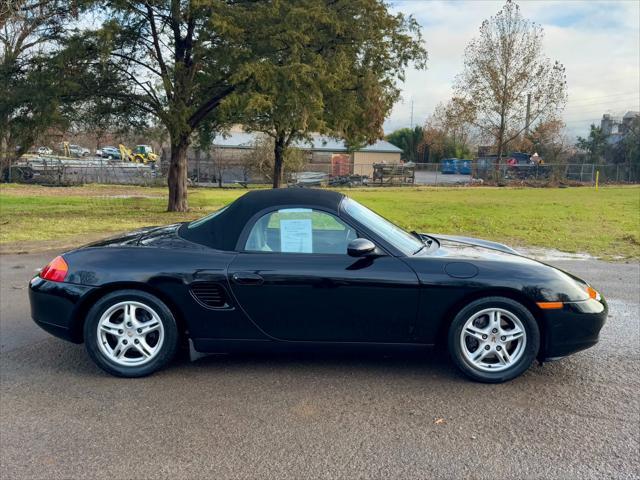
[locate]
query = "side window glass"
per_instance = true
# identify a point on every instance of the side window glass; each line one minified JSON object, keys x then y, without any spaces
{"x":300,"y":230}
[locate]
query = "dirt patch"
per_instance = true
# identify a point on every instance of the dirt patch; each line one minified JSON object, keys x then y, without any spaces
{"x":630,"y":239}
{"x":130,"y":196}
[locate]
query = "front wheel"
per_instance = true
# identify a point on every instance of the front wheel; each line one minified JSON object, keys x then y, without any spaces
{"x":130,"y":333}
{"x":494,"y":339}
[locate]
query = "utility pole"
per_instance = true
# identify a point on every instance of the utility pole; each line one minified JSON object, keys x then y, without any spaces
{"x":411,"y":113}
{"x":526,"y":125}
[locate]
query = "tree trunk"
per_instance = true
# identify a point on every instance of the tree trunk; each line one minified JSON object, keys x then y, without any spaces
{"x":501,"y":137}
{"x":278,"y":161}
{"x":177,"y":177}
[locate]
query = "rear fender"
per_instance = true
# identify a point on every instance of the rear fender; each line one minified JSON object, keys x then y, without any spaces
{"x":85,"y":304}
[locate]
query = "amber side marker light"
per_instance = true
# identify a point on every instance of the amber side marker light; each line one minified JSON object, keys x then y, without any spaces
{"x":55,"y":271}
{"x":550,"y":305}
{"x":593,"y":293}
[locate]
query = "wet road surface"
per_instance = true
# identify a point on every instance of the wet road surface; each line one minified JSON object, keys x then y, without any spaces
{"x":295,"y":416}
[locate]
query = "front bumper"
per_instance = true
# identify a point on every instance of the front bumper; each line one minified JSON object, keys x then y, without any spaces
{"x":573,"y":328}
{"x":55,"y":307}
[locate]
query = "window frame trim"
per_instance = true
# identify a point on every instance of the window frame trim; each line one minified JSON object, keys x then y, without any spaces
{"x":246,"y":231}
{"x":380,"y":242}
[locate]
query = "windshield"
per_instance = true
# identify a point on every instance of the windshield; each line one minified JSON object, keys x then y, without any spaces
{"x":200,"y":221}
{"x":403,"y":241}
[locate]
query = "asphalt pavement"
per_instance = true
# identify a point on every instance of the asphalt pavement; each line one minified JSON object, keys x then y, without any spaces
{"x":427,"y":177}
{"x":306,"y":416}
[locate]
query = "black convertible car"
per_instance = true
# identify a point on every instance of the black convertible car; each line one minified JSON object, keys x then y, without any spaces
{"x":301,"y":268}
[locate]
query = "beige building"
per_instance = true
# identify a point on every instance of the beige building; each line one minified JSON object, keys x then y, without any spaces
{"x":363,"y":160}
{"x":324,"y":154}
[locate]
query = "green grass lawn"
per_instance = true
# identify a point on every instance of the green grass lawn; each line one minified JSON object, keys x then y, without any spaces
{"x":604,"y":223}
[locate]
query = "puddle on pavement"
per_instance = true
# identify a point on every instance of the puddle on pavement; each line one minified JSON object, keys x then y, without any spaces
{"x":550,"y":255}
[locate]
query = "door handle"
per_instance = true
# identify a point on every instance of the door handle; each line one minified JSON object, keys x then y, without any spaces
{"x":247,"y":278}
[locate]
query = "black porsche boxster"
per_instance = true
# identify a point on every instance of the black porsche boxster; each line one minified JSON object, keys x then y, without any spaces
{"x":300,"y":268}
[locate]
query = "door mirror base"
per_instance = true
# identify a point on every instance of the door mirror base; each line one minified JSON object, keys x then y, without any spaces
{"x":360,"y":247}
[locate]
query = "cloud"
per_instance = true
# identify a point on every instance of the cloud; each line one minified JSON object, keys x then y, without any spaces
{"x":598,"y":42}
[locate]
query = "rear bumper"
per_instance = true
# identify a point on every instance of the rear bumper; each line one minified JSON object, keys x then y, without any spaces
{"x":54,"y":307}
{"x":573,"y":328}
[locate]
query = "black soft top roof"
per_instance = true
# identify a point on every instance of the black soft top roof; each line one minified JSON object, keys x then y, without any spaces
{"x":222,"y":231}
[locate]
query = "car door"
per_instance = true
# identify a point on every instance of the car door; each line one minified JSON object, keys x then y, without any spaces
{"x":294,"y":279}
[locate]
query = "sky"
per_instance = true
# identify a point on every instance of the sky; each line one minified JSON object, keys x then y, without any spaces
{"x":598,"y":42}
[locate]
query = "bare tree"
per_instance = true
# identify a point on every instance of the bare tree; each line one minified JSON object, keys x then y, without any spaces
{"x":261,"y":159}
{"x":449,"y":131}
{"x":508,"y":84}
{"x":548,"y":139}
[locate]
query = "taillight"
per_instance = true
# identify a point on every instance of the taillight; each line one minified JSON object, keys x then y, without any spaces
{"x":55,"y":271}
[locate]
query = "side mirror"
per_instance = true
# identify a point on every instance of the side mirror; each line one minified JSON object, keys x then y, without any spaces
{"x":360,"y":247}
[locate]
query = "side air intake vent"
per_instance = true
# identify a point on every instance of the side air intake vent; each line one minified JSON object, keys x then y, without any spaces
{"x":209,"y":294}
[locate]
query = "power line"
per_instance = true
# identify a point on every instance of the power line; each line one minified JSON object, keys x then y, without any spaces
{"x":609,"y":102}
{"x":590,"y":120}
{"x":601,"y":110}
{"x":582,"y":120}
{"x":611,"y":95}
{"x":604,"y":106}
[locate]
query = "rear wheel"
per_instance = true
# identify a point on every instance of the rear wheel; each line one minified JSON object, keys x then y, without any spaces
{"x":130,"y":333}
{"x":494,"y":339}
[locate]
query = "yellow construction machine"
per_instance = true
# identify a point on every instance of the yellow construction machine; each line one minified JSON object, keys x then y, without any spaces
{"x":140,"y":154}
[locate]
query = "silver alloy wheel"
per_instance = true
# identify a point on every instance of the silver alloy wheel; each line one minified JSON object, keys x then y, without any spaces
{"x":130,"y":333}
{"x":493,"y":340}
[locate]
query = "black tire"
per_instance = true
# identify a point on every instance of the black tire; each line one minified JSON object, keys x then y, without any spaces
{"x":520,"y":366}
{"x":167,"y":349}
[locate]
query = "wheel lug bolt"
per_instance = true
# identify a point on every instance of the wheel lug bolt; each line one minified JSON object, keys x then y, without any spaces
{"x":495,"y":330}
{"x":484,"y":337}
{"x":139,"y":330}
{"x":503,"y":338}
{"x":128,"y":324}
{"x":498,"y":348}
{"x":487,"y":347}
{"x":136,"y":341}
{"x":120,"y":332}
{"x":124,"y":342}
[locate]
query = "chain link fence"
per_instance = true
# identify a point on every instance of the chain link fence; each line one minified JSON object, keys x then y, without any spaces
{"x":466,"y":173}
{"x":65,"y":171}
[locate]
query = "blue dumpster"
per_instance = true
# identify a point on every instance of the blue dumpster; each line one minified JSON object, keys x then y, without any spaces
{"x":464,"y":167}
{"x":449,"y":166}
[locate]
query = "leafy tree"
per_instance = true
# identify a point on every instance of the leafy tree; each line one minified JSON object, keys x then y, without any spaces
{"x":180,"y":61}
{"x":503,"y":68}
{"x":595,"y":144}
{"x":411,"y":141}
{"x":323,"y":66}
{"x":171,"y":62}
{"x":628,"y":149}
{"x":103,"y":117}
{"x":29,"y":85}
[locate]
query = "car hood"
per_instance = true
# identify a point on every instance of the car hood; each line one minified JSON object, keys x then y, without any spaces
{"x":476,"y":242}
{"x":484,"y":253}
